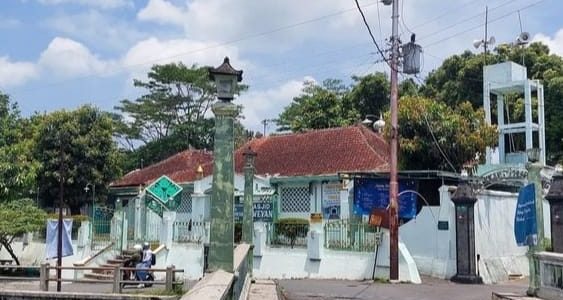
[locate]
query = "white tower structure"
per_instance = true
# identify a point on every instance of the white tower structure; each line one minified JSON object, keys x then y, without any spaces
{"x":506,"y":79}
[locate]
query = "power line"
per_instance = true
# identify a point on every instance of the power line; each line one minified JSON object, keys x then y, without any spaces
{"x":180,"y":54}
{"x":465,"y":20}
{"x":479,"y":26}
{"x":371,"y":34}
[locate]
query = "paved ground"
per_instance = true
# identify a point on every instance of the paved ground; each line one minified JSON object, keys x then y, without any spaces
{"x":431,"y":288}
{"x":263,"y":290}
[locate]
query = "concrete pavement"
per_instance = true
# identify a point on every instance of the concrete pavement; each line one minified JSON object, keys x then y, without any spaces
{"x":430,"y":289}
{"x":263,"y":290}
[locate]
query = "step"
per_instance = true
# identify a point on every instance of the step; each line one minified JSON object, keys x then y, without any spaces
{"x":511,"y":296}
{"x":116,"y":261}
{"x":97,"y":276}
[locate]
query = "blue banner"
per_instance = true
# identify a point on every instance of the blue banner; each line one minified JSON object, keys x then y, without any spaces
{"x":525,"y":223}
{"x":370,"y":193}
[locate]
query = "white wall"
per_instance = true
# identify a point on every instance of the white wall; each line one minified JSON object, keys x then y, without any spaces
{"x":187,"y":256}
{"x":287,"y":263}
{"x":434,"y":250}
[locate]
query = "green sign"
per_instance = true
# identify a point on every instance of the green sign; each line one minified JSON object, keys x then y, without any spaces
{"x":164,"y":190}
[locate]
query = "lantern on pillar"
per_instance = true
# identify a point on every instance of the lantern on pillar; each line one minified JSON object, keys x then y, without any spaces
{"x":226,"y":78}
{"x":464,"y":200}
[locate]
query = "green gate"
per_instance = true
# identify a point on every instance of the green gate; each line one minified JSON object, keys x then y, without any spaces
{"x":101,"y":227}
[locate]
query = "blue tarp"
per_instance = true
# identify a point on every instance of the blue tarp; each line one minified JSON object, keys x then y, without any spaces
{"x":370,"y":193}
{"x":51,"y":239}
{"x":525,"y":223}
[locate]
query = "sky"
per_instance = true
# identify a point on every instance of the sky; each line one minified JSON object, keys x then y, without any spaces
{"x":58,"y":54}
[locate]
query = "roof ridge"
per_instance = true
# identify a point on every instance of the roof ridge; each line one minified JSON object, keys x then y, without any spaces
{"x":370,"y":146}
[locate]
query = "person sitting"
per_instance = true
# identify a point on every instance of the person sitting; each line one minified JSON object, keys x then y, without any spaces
{"x":145,"y":263}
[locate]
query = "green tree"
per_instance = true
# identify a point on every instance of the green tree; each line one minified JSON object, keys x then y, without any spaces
{"x":18,"y":169}
{"x":170,"y":117}
{"x":82,"y":141}
{"x":17,"y":218}
{"x":319,"y":106}
{"x":432,"y":131}
{"x":460,"y":78}
{"x":370,"y":93}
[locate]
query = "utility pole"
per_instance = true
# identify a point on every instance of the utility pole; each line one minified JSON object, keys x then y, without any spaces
{"x":393,"y":184}
{"x":60,"y":221}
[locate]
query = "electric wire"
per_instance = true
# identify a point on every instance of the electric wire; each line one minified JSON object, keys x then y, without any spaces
{"x":371,"y":34}
{"x":432,"y":131}
{"x":480,"y":25}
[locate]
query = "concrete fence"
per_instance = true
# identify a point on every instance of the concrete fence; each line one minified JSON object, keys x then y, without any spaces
{"x":551,"y":275}
{"x":222,"y":285}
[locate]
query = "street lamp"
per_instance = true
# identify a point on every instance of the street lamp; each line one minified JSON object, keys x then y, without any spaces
{"x":226,"y":78}
{"x":86,"y":189}
{"x":222,"y":227}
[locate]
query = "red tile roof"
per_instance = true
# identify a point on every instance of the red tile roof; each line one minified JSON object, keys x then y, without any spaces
{"x":180,"y":167}
{"x":317,"y":152}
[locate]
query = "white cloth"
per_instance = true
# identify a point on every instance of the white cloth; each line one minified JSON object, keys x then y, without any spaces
{"x":52,"y":238}
{"x":147,"y":256}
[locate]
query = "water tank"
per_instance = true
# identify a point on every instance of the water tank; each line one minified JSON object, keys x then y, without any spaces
{"x":411,"y":58}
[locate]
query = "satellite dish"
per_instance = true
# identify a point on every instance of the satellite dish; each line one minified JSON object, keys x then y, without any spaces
{"x":523,"y":38}
{"x":477,"y":43}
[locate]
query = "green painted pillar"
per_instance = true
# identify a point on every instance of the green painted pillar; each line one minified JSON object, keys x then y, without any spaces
{"x":222,"y":221}
{"x":247,"y":219}
{"x":534,"y":177}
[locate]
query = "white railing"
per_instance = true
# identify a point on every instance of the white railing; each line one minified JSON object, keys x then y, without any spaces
{"x":191,"y":232}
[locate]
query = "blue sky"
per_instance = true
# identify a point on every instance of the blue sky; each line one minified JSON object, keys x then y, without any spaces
{"x":63,"y":53}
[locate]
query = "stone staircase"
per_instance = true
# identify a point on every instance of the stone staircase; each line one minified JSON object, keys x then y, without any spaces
{"x":99,"y":274}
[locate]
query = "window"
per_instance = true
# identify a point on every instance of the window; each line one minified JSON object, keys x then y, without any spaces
{"x":295,"y":199}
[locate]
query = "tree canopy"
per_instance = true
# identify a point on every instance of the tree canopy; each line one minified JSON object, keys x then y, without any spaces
{"x":460,"y":79}
{"x":319,"y":106}
{"x":18,"y":169}
{"x":82,"y":141}
{"x":172,"y":115}
{"x":16,"y":218}
{"x":437,"y":136}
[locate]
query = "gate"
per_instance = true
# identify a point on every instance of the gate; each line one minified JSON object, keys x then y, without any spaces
{"x":101,"y":227}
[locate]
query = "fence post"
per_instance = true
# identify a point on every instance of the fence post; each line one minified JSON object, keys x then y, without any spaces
{"x":169,"y":281}
{"x":44,"y":277}
{"x":117,"y":280}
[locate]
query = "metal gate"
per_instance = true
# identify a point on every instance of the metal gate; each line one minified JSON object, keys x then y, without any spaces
{"x":101,"y":227}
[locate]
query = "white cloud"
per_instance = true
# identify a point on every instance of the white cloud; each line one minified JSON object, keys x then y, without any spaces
{"x":226,"y":20}
{"x":155,"y":51}
{"x":15,"y":73}
{"x":67,"y":58}
{"x":554,"y":43}
{"x":267,"y":104}
{"x":103,"y":4}
{"x":96,"y":28}
{"x":162,"y":12}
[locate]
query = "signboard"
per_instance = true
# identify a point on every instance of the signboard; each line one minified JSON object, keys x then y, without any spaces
{"x":525,"y":223}
{"x":164,"y":189}
{"x":372,"y":193}
{"x":262,"y":211}
{"x":331,"y":201}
